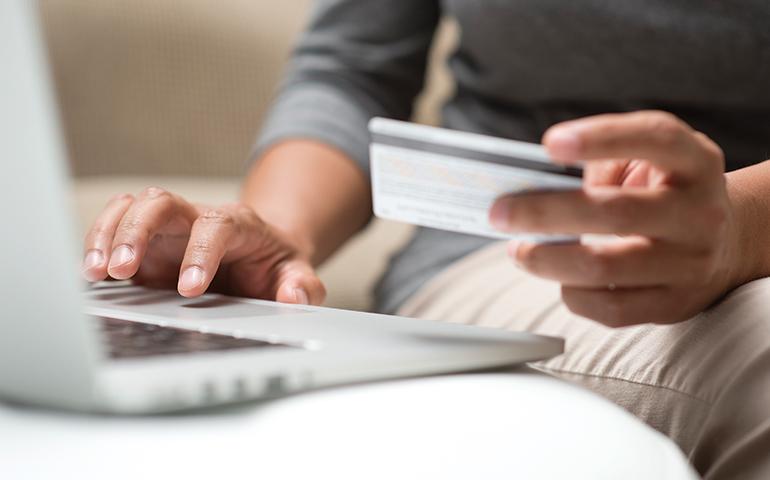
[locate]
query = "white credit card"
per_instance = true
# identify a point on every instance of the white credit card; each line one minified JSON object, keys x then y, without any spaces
{"x":448,"y":180}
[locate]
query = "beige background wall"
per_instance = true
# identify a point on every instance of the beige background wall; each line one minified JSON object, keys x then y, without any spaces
{"x":170,"y":87}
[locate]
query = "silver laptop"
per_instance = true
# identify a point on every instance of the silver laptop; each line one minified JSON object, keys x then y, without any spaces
{"x":121,"y":348}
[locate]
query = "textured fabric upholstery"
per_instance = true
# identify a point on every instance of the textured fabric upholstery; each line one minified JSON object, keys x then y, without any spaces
{"x":166,"y":87}
{"x":174,"y":87}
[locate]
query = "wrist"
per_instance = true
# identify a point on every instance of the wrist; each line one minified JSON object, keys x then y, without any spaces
{"x":748,"y":242}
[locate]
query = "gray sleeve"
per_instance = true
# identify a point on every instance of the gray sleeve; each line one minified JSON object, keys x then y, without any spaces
{"x":357,"y":59}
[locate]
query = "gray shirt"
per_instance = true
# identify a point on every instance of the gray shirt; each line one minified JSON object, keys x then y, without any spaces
{"x":521,"y":66}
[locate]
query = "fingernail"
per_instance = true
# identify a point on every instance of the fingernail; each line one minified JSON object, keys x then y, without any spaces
{"x":191,"y":278}
{"x":121,"y":256}
{"x":563,"y":144}
{"x":93,"y":259}
{"x":500,"y":215}
{"x":300,"y":296}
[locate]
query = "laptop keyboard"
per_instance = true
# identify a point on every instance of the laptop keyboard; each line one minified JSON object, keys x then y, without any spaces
{"x":127,"y":339}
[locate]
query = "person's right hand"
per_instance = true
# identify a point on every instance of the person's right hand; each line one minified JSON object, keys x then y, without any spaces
{"x":160,"y":240}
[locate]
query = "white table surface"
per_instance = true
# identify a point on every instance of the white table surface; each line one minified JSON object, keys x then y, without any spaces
{"x":469,"y":426}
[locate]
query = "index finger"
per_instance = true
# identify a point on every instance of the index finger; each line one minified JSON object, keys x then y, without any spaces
{"x":215,"y":234}
{"x":657,"y":137}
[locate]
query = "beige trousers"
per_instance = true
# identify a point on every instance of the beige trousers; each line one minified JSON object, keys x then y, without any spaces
{"x":705,"y":382}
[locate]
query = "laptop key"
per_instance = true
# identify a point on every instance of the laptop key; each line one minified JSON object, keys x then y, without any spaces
{"x":128,"y":339}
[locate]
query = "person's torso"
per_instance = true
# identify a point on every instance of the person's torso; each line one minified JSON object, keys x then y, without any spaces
{"x":522,"y":65}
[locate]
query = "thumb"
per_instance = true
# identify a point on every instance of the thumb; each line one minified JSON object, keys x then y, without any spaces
{"x":299,"y":284}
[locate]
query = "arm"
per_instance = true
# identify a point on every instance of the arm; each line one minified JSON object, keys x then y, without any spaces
{"x":312,"y":192}
{"x":308,"y":190}
{"x":357,"y":59}
{"x":749,"y":193}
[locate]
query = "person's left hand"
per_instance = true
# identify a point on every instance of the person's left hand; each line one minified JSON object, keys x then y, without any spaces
{"x":657,"y":183}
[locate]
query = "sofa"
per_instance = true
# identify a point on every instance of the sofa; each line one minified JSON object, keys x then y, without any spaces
{"x":172,"y":94}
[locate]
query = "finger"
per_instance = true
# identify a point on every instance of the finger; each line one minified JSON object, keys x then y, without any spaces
{"x":153,"y":209}
{"x":98,"y":242}
{"x":658,"y":137}
{"x":661,"y":212}
{"x":212,"y":235}
{"x":298,"y":283}
{"x":621,"y":263}
{"x":625,"y":307}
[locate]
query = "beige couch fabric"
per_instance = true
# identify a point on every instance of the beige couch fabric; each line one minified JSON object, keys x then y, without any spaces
{"x":178,"y":87}
{"x":166,"y":87}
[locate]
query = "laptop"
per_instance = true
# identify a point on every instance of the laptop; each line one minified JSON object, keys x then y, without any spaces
{"x":124,"y":349}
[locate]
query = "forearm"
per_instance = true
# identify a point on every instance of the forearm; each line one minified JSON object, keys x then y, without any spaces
{"x":749,"y":190}
{"x":310,"y":191}
{"x":345,"y":70}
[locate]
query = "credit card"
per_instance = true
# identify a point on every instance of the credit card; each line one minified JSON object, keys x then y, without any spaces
{"x":445,"y":179}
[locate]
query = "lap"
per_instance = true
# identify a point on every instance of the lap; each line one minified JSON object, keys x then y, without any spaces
{"x":705,"y":382}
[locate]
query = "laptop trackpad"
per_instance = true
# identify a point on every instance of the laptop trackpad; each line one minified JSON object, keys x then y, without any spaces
{"x":170,"y":304}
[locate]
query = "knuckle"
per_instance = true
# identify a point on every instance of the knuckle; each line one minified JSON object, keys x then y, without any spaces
{"x":100,"y":230}
{"x":153,"y":193}
{"x":246,"y":213}
{"x":120,"y":198}
{"x":237,"y":207}
{"x":711,"y":147}
{"x":661,"y":115}
{"x":217,"y":216}
{"x":665,"y":127}
{"x":130,"y":230}
{"x":251,"y":216}
{"x":201,"y":248}
{"x":129,"y":226}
